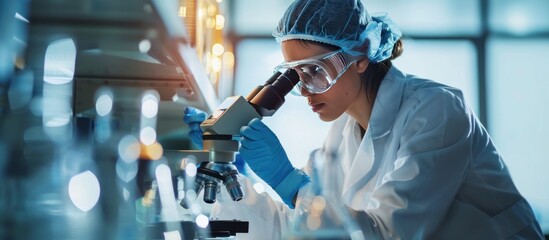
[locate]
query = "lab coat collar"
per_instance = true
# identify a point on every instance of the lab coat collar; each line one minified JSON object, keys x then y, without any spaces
{"x":366,"y":163}
{"x":387,"y":103}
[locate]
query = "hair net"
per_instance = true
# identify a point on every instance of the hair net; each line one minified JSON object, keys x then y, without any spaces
{"x":342,"y":23}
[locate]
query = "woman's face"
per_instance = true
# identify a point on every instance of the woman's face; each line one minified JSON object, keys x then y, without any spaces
{"x":342,"y":95}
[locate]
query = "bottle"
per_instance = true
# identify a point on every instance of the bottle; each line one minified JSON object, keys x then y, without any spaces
{"x":319,"y":213}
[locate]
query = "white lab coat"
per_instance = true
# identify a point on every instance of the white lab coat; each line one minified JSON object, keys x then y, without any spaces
{"x":426,"y":169}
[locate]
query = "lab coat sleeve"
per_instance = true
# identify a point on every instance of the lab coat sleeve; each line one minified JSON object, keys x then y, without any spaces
{"x":432,"y":158}
{"x":268,"y":219}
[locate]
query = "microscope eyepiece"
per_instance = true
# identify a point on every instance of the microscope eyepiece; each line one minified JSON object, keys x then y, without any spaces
{"x":271,"y":96}
{"x":285,"y":82}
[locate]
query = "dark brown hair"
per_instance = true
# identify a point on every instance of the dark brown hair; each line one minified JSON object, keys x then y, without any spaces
{"x":375,"y":72}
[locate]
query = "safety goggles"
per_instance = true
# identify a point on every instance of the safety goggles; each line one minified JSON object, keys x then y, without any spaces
{"x":319,"y":73}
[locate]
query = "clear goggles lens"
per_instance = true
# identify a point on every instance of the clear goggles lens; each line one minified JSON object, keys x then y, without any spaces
{"x":320,"y":73}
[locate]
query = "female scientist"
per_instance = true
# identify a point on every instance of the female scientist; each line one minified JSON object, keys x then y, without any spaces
{"x":415,"y":161}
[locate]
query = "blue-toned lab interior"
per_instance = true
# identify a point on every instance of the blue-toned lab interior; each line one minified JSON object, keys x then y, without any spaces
{"x":93,"y":144}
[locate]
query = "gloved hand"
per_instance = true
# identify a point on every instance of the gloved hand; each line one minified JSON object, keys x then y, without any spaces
{"x":263,"y":152}
{"x":193,"y":118}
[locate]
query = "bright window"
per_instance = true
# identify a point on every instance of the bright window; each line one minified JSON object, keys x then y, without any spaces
{"x":519,"y":116}
{"x":519,"y":17}
{"x":428,"y":17}
{"x":258,"y":17}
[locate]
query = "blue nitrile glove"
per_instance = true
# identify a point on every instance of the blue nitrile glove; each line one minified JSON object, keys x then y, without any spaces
{"x":193,"y":118}
{"x":261,"y":149}
{"x":240,"y":164}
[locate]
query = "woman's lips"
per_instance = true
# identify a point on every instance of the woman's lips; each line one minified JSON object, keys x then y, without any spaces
{"x":317,"y":107}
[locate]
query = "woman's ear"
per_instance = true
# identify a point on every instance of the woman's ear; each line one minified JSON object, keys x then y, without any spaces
{"x":362,"y":65}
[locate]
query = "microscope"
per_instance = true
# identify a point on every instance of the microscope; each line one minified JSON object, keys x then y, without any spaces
{"x":222,"y":132}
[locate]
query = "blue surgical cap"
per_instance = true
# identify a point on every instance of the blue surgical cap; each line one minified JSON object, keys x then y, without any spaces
{"x":342,"y":23}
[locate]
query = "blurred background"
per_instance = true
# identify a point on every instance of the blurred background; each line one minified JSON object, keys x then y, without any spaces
{"x":57,"y":55}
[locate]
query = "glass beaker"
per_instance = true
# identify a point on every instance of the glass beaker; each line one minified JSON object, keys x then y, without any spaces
{"x":320,"y":214}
